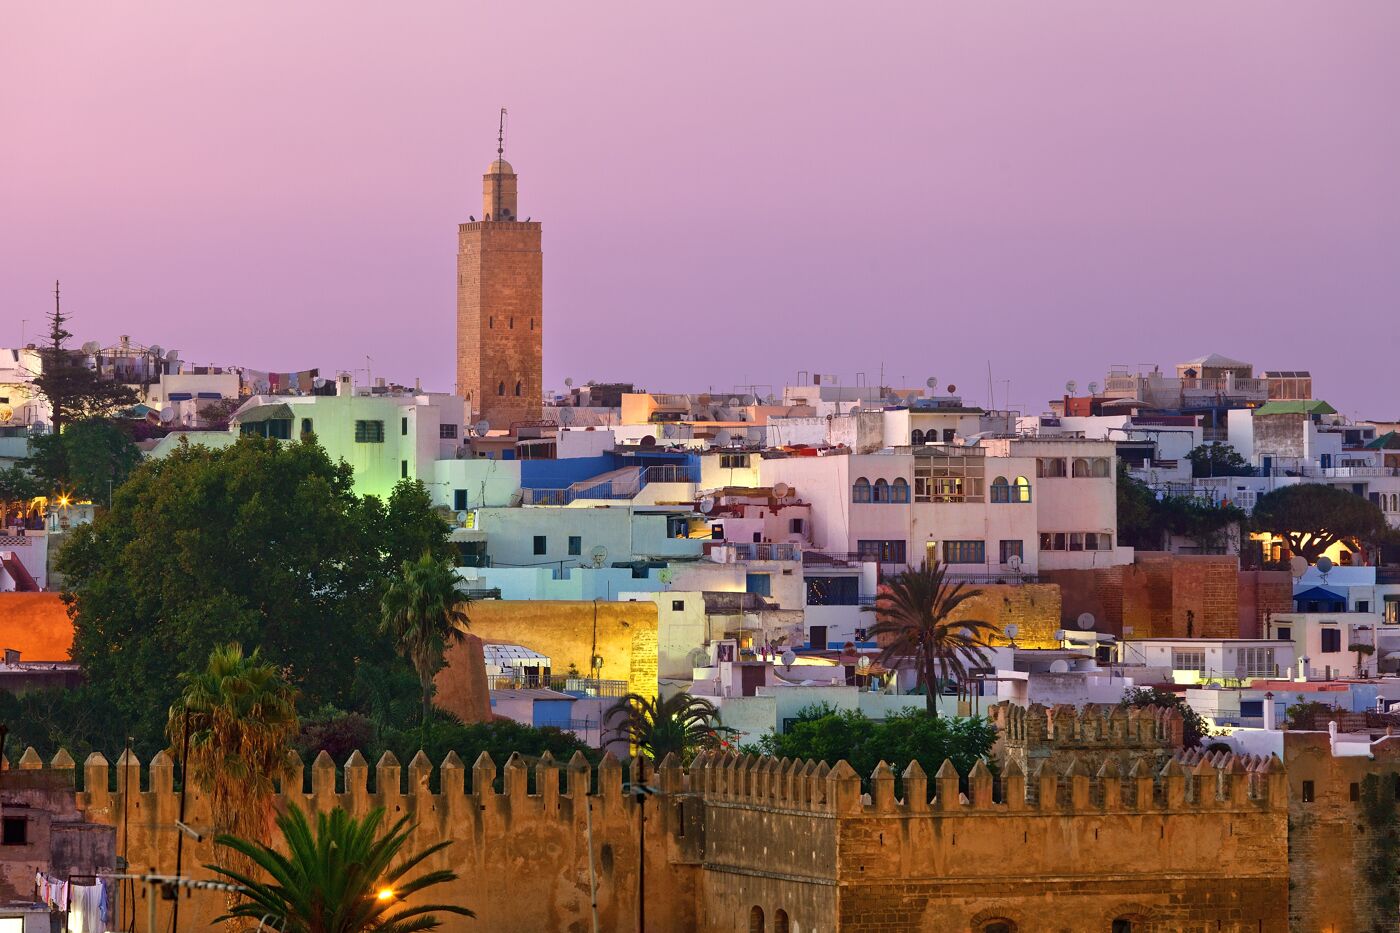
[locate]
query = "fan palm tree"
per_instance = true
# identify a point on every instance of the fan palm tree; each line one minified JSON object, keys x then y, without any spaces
{"x":235,"y":720}
{"x":423,"y":612}
{"x":914,"y":619}
{"x":341,"y":878}
{"x":681,"y":724}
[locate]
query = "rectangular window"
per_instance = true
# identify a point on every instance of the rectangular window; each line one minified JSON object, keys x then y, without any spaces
{"x":403,"y":426}
{"x":1188,"y":660}
{"x":369,"y":432}
{"x":1331,"y":640}
{"x":760,"y":584}
{"x":447,"y":432}
{"x":1285,"y":633}
{"x":964,"y":552}
{"x":1251,"y":709}
{"x":949,"y":435}
{"x":1354,"y":792}
{"x":1256,"y":662}
{"x":733,"y":461}
{"x":1010,"y":549}
{"x":887,"y":552}
{"x":16,"y":831}
{"x":1390,"y":609}
{"x":1363,"y":605}
{"x":541,"y":546}
{"x":403,"y":469}
{"x":459,"y":500}
{"x":1076,"y":541}
{"x":795,"y":526}
{"x":1309,"y":794}
{"x":575,"y":545}
{"x":678,"y":605}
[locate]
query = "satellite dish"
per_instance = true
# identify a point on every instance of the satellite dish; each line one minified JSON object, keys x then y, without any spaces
{"x":648,"y":441}
{"x":707,"y":505}
{"x":666,"y":575}
{"x":462,"y":518}
{"x":1093,"y":388}
{"x":724,"y":438}
{"x":733,"y":403}
{"x":1012,"y":630}
{"x":566,"y":416}
{"x":1059,"y":667}
{"x":1324,"y":564}
{"x":1298,"y":566}
{"x":863,"y":665}
{"x":952,"y":388}
{"x":599,"y":555}
{"x":699,"y":658}
{"x":1014,"y":562}
{"x":1085,"y":621}
{"x":569,"y":381}
{"x":754,"y":435}
{"x":92,"y":348}
{"x":789,"y":656}
{"x":172,"y":356}
{"x":155,"y":349}
{"x":781,"y":490}
{"x":931,"y":382}
{"x":167,"y":415}
{"x":317,"y":383}
{"x":482,"y":427}
{"x":1070,"y":387}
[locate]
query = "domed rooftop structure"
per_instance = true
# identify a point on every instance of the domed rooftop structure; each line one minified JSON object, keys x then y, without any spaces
{"x":500,"y":167}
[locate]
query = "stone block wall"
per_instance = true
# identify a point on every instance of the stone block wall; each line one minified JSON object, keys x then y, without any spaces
{"x":1159,"y":595}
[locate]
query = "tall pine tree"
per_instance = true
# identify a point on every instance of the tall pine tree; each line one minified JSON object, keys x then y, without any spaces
{"x":72,"y":390}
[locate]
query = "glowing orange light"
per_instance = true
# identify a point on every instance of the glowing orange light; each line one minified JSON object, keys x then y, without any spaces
{"x":385,"y":894}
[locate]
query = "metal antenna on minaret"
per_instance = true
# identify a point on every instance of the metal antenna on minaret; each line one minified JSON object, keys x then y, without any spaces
{"x":501,"y":137}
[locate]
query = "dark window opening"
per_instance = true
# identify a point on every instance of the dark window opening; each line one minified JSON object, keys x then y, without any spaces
{"x":1308,"y":793}
{"x":540,"y":544}
{"x":16,"y":831}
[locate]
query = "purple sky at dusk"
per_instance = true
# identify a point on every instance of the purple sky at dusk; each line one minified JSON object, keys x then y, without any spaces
{"x":731,"y":192}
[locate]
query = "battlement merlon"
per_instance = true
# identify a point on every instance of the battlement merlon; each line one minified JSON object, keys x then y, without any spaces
{"x":1189,"y":780}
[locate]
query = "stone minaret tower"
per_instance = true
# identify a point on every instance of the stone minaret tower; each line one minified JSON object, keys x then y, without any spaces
{"x":500,"y":300}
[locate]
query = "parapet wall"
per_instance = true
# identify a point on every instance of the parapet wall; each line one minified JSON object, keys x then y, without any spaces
{"x":730,"y":834}
{"x":1094,"y":733}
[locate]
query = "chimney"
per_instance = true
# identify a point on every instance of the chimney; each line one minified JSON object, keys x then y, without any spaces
{"x":1270,"y":712}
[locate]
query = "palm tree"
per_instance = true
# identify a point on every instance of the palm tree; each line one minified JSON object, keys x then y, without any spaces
{"x":235,"y":720}
{"x":338,"y":879}
{"x":681,"y":724}
{"x":422,"y":611}
{"x":913,"y":612}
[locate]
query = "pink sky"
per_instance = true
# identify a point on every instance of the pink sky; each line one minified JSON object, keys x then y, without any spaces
{"x":731,"y":192}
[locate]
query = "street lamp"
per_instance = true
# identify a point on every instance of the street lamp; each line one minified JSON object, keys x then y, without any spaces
{"x":641,"y":792}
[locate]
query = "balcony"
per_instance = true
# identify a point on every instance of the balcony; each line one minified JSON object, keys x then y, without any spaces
{"x":739,"y":551}
{"x":529,"y":678}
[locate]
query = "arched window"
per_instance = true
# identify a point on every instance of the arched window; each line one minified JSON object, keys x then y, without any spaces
{"x":1021,"y":490}
{"x":1122,"y":925}
{"x":916,"y":437}
{"x":881,"y":491}
{"x":1099,"y":466}
{"x":517,"y":388}
{"x":756,"y":920}
{"x":998,"y":926}
{"x":501,"y":389}
{"x":899,"y":490}
{"x":1001,"y":490}
{"x":1081,"y":468}
{"x":860,"y":491}
{"x":780,"y":922}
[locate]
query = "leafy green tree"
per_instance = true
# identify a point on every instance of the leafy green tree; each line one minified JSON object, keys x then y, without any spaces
{"x":72,"y":390}
{"x":423,"y":612}
{"x":1193,"y":724}
{"x":823,"y":734}
{"x":1312,"y":517}
{"x":498,"y":738}
{"x":234,"y":723}
{"x":914,"y":620}
{"x":345,"y":876}
{"x":1216,"y":459}
{"x":680,"y":724}
{"x":1138,"y":525}
{"x":263,"y":543}
{"x":90,"y":459}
